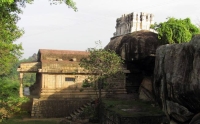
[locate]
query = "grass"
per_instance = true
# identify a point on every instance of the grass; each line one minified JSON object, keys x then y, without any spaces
{"x":132,"y":108}
{"x":18,"y":121}
{"x":25,"y":119}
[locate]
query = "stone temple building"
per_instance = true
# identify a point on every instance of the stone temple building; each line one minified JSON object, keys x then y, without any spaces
{"x":133,"y":22}
{"x":58,"y":89}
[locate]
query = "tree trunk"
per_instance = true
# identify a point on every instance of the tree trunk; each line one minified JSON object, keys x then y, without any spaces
{"x":99,"y":109}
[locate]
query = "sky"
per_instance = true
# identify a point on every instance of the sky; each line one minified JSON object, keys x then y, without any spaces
{"x":59,"y":27}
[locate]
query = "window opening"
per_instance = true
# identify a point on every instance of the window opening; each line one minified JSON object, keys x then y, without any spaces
{"x":69,"y":79}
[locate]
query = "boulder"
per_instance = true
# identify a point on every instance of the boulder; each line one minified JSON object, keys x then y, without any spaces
{"x":138,"y":50}
{"x":177,"y":79}
{"x":145,"y":90}
{"x":135,"y":46}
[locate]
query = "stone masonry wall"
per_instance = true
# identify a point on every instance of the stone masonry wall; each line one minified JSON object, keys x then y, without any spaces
{"x":57,"y":86}
{"x":110,"y":117}
{"x":45,"y":108}
{"x":58,"y":81}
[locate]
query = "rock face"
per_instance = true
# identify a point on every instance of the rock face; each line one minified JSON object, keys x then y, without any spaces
{"x":135,"y":46}
{"x":138,"y":51}
{"x":145,"y":89}
{"x":177,"y":79}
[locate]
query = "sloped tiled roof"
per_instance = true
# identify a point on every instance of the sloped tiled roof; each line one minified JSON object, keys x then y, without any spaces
{"x":51,"y":51}
{"x":63,"y":55}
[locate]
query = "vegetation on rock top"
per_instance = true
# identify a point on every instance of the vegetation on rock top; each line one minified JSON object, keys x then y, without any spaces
{"x":175,"y":30}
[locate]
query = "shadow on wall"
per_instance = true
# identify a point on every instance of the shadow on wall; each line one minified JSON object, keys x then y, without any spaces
{"x":54,"y":102}
{"x":60,"y":102}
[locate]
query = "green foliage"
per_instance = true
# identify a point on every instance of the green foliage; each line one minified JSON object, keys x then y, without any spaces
{"x":9,"y":89}
{"x":29,"y":78}
{"x":140,"y":108}
{"x":20,"y":120}
{"x":6,"y":2}
{"x":88,"y":112}
{"x":9,"y":2}
{"x":103,"y":63}
{"x":9,"y":32}
{"x":87,"y":83}
{"x":32,"y":58}
{"x":10,"y":101}
{"x":175,"y":30}
{"x":71,"y":4}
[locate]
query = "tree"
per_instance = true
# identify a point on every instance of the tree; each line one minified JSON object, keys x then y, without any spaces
{"x":175,"y":30}
{"x":9,"y":32}
{"x":6,"y":1}
{"x":10,"y":102}
{"x":70,"y":3}
{"x":29,"y":78}
{"x":103,"y":64}
{"x":9,"y":53}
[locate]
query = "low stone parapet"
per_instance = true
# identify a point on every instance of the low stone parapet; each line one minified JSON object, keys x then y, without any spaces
{"x":119,"y":111}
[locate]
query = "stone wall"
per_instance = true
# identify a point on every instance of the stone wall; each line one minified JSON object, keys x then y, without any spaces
{"x":48,"y":108}
{"x":55,"y":85}
{"x":35,"y":89}
{"x":59,"y":81}
{"x":110,"y":117}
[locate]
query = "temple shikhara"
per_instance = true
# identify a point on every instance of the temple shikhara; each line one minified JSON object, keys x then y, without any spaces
{"x":133,"y":22}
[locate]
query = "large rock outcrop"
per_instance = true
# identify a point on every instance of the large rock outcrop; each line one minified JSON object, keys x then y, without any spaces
{"x":177,"y":79}
{"x":135,"y":46}
{"x":138,"y":51}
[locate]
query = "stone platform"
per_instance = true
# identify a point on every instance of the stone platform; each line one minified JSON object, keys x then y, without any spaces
{"x":118,"y":111}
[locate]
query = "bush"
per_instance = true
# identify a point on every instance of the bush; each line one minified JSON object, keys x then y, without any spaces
{"x":10,"y":102}
{"x":175,"y":30}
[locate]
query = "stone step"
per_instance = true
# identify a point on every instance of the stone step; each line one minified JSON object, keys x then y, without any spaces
{"x":69,"y":117}
{"x":85,"y":106}
{"x":79,"y":110}
{"x":76,"y":113}
{"x":82,"y":108}
{"x":88,"y":103}
{"x":72,"y":115}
